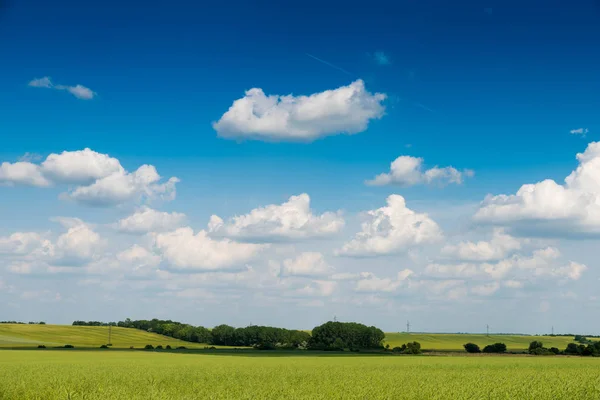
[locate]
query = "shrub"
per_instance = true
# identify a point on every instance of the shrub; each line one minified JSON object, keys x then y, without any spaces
{"x":41,"y":346}
{"x":555,"y":350}
{"x":413,"y":348}
{"x":159,"y":347}
{"x":541,"y":351}
{"x":104,"y":346}
{"x":168,"y":347}
{"x":212,"y":348}
{"x":131,"y":347}
{"x":69,"y":346}
{"x":148,"y":347}
{"x":181,"y":348}
{"x":495,"y":348}
{"x":472,"y":348}
{"x":536,"y":344}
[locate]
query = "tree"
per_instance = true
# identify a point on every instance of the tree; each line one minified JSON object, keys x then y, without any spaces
{"x":472,"y":348}
{"x":351,"y":334}
{"x":413,"y":348}
{"x":495,"y":348}
{"x":536,"y":344}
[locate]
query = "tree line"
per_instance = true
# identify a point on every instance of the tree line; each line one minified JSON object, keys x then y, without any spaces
{"x":536,"y":348}
{"x":23,"y":323}
{"x":329,"y":336}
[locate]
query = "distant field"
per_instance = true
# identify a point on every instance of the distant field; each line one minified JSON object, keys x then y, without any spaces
{"x":19,"y":335}
{"x":447,"y":342}
{"x":101,"y":375}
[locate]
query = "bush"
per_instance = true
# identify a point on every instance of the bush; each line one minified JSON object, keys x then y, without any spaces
{"x":104,"y":346}
{"x":413,"y":348}
{"x":541,"y":351}
{"x":69,"y":346}
{"x":398,"y":349}
{"x":495,"y":348}
{"x":555,"y":350}
{"x":472,"y":348}
{"x":41,"y":346}
{"x":533,"y":346}
{"x":181,"y":348}
{"x":159,"y":347}
{"x":131,"y":347}
{"x":148,"y":347}
{"x":168,"y":347}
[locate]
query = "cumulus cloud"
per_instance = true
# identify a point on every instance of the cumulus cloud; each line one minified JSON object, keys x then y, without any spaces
{"x":102,"y":180}
{"x":80,"y":244}
{"x":543,"y":262}
{"x":408,"y":171}
{"x":317,"y":288}
{"x":311,"y":264}
{"x":79,"y":91}
{"x":23,"y":243}
{"x":185,"y":251}
{"x":500,"y":246}
{"x":147,"y":220}
{"x":548,"y":208}
{"x":291,"y":220}
{"x":392,"y":229}
{"x":371,"y":283}
{"x":347,"y":109}
{"x":580,"y":132}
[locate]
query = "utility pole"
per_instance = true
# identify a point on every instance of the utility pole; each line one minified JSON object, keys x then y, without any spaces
{"x":407,"y":326}
{"x":487,"y":330}
{"x":552,"y":330}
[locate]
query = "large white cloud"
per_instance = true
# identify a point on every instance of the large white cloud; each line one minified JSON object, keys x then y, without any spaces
{"x":292,"y":220}
{"x":371,"y":283}
{"x":307,"y":264}
{"x":80,"y":244}
{"x":147,"y":220}
{"x":102,"y":180}
{"x":347,"y":109}
{"x":499,"y":246}
{"x":408,"y":171}
{"x":24,"y":243}
{"x":185,"y":251}
{"x":548,"y":208}
{"x":392,"y":229}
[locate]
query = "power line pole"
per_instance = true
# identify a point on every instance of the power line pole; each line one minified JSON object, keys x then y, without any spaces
{"x":487,"y":330}
{"x":334,"y":318}
{"x":407,"y":326}
{"x":552,"y":330}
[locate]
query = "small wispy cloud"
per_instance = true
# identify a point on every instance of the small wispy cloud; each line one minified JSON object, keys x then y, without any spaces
{"x":381,"y":58}
{"x":581,"y":132}
{"x":330,"y":64}
{"x":79,"y":91}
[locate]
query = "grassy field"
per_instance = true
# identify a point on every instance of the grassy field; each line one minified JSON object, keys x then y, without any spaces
{"x":95,"y":375}
{"x":19,"y":335}
{"x":448,"y":342}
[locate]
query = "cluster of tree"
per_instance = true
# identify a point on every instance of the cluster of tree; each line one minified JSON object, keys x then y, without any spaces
{"x":177,"y":330}
{"x":93,"y":323}
{"x":345,"y":336}
{"x":592,"y":349}
{"x":408,"y":348}
{"x":490,"y":348}
{"x":262,"y":337}
{"x":537,"y":348}
{"x":23,"y":323}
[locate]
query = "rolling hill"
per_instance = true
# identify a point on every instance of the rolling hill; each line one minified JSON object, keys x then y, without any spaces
{"x":19,"y":335}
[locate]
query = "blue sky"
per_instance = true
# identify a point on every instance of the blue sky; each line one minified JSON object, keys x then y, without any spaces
{"x":492,"y":87}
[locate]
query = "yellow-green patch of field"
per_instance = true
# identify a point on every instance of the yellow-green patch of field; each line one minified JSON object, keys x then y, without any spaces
{"x":100,"y":375}
{"x":25,"y":335}
{"x":453,"y":341}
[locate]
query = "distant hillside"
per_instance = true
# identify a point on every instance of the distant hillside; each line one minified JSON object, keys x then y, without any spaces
{"x":19,"y":335}
{"x":455,"y":341}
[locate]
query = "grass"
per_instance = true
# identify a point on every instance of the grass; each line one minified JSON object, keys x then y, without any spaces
{"x":20,"y":335}
{"x":95,"y":375}
{"x":450,"y":342}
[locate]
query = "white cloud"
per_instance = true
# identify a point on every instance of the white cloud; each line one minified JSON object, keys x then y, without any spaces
{"x":500,"y":246}
{"x":121,"y":187}
{"x":292,"y":220}
{"x":408,"y":171}
{"x":185,"y":251}
{"x":102,"y":179}
{"x":547,"y":208}
{"x":22,"y":173}
{"x":80,"y":244}
{"x":392,"y":229}
{"x":486,"y":289}
{"x":81,"y":166}
{"x":307,"y":264}
{"x":347,"y":109}
{"x":149,"y":220}
{"x":79,"y":91}
{"x":375,"y":284}
{"x":23,"y":243}
{"x":581,"y":132}
{"x":316,"y":288}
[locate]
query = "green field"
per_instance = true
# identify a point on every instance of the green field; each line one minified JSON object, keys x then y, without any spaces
{"x":20,"y":335}
{"x":91,"y":375}
{"x":449,"y":342}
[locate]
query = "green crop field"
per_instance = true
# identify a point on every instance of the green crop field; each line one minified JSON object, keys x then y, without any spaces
{"x":448,"y":342}
{"x":20,"y":335}
{"x":91,"y":375}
